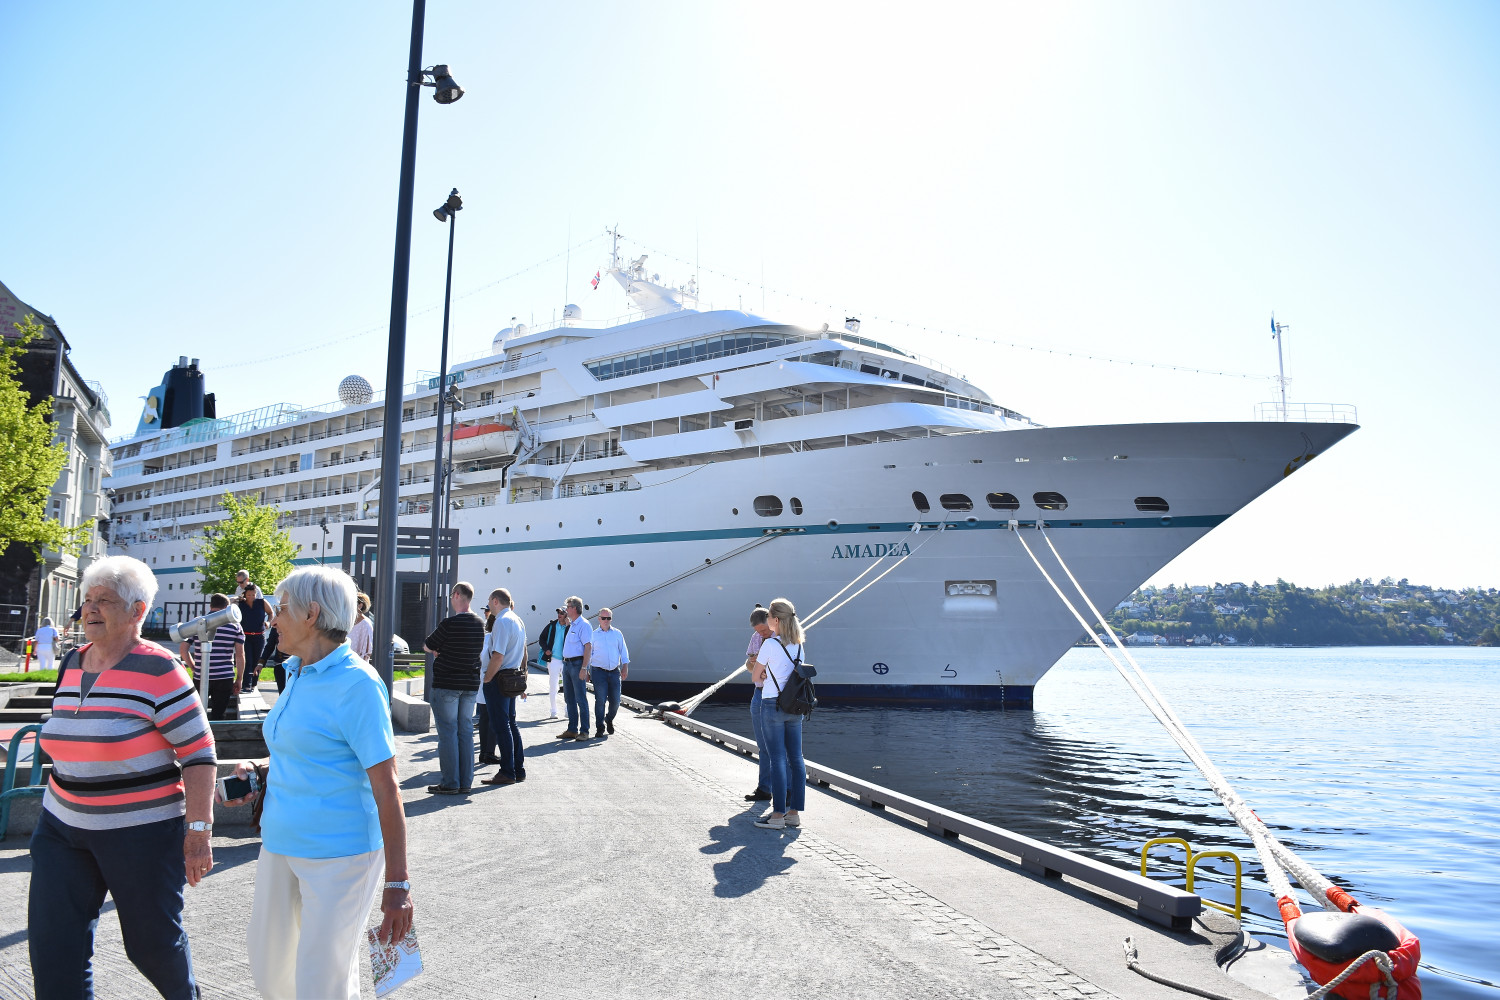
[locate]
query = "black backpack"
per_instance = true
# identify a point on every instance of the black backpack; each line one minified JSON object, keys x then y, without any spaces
{"x":799,"y":697}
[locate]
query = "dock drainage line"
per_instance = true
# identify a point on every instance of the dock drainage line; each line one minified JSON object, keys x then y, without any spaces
{"x":1133,"y":963}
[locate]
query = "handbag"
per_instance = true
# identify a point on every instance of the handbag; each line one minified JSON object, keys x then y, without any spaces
{"x":512,"y":682}
{"x":799,"y":697}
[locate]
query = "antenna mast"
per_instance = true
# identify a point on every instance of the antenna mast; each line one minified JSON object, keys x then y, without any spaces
{"x":1276,"y":331}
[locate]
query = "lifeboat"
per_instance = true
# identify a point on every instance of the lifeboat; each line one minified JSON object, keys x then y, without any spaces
{"x":483,"y":441}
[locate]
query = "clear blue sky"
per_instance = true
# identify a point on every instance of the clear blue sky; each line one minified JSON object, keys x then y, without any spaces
{"x":1141,"y":181}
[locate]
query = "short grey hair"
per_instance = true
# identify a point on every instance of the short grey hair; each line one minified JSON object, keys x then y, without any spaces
{"x":126,"y":576}
{"x":332,"y":590}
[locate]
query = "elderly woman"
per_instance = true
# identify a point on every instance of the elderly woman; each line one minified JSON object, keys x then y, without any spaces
{"x":362,"y":635}
{"x":129,"y":807}
{"x":333,"y":832}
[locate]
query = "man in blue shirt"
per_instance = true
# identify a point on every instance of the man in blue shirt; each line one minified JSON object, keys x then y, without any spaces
{"x":577,"y":648}
{"x":608,"y":665}
{"x":551,"y":645}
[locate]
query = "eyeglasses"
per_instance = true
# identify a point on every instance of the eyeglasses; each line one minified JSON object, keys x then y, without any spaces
{"x":605,"y":618}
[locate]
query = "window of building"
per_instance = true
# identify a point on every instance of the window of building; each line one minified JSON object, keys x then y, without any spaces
{"x":919,"y":500}
{"x":1047,"y":500}
{"x":955,"y":501}
{"x":1002,"y":501}
{"x":1151,"y":505}
{"x":768,"y":506}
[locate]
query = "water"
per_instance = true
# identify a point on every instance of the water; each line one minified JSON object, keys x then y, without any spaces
{"x":1378,"y":765}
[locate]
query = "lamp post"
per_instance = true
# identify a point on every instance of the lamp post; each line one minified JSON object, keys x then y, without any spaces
{"x":447,"y":212}
{"x":446,"y":91}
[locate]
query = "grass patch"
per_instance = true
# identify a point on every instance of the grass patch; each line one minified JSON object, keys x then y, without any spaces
{"x":34,"y":677}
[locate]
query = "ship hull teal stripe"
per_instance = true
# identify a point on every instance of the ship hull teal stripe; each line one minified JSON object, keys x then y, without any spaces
{"x":843,"y":530}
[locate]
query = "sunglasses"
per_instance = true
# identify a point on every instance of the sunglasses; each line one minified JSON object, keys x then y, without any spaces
{"x":605,"y":618}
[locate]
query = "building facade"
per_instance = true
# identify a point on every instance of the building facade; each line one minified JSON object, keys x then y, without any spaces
{"x":32,"y":588}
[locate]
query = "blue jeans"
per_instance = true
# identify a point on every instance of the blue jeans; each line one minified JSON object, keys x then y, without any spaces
{"x":142,"y":869}
{"x":784,"y":746}
{"x":503,"y":722}
{"x":763,"y":755}
{"x":606,"y":697}
{"x":577,"y":695}
{"x":453,"y":714}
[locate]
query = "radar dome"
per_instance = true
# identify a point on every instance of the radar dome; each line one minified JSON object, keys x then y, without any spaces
{"x":521,"y":330}
{"x":355,"y":391}
{"x":497,"y":346}
{"x":571,"y":313}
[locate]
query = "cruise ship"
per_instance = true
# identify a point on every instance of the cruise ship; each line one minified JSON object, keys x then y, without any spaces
{"x":683,"y":466}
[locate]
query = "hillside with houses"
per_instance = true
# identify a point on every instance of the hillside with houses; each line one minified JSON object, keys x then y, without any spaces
{"x":1362,"y":613}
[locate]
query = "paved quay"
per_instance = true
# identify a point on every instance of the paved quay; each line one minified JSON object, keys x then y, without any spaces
{"x":630,"y":867}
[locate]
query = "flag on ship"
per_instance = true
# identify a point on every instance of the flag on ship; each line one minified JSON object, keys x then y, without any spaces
{"x":595,"y":281}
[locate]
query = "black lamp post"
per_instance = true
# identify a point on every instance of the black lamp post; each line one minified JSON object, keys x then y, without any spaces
{"x":445,"y":92}
{"x":446,"y":212}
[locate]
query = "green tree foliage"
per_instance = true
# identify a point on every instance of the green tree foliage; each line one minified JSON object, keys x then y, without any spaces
{"x":247,"y":539}
{"x":30,"y":461}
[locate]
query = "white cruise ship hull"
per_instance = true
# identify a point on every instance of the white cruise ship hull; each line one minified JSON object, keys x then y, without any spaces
{"x":906,"y":639}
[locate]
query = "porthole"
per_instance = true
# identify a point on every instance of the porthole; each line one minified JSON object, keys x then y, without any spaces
{"x":734,"y":510}
{"x":601,"y":520}
{"x":528,"y":527}
{"x":1047,"y":500}
{"x":585,"y":607}
{"x":955,"y":501}
{"x":674,"y":607}
{"x":559,"y":524}
{"x":492,"y":531}
{"x":1002,"y":501}
{"x":632,"y":564}
{"x":533,"y":607}
{"x":643,"y":517}
{"x":919,"y":500}
{"x":768,"y":506}
{"x":559,"y":566}
{"x":1152,"y":505}
{"x":507,"y":529}
{"x":796,"y":506}
{"x":486,"y":569}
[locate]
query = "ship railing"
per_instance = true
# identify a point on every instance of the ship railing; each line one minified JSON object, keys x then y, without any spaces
{"x":527,"y":494}
{"x":1309,"y":413}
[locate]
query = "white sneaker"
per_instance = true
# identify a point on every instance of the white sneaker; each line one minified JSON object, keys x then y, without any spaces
{"x":771,"y":822}
{"x":792,"y":819}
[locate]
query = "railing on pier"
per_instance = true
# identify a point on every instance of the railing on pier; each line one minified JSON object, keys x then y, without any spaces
{"x":1307,"y":413}
{"x":1159,"y":903}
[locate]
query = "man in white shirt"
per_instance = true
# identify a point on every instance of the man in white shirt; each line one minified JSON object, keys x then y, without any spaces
{"x":577,"y":648}
{"x":609,"y":664}
{"x":504,"y":649}
{"x":761,"y":633}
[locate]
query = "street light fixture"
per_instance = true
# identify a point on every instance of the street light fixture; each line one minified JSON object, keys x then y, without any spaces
{"x":447,"y":212}
{"x":445,"y":91}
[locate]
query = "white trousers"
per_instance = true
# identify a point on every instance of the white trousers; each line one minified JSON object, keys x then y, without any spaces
{"x":307,"y":926}
{"x":44,"y":659}
{"x":554,"y":677}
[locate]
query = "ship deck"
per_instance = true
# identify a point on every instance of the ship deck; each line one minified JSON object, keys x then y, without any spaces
{"x":631,"y":868}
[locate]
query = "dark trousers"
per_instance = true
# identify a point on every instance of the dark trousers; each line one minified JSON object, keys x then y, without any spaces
{"x":503,"y":721}
{"x":221,"y":699}
{"x":142,"y":868}
{"x":254,"y":646}
{"x":577,"y":695}
{"x":486,"y":734}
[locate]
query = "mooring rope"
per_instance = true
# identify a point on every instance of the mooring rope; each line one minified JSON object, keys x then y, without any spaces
{"x":691,"y":705}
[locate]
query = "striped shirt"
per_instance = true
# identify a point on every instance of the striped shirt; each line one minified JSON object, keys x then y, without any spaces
{"x":118,"y":752}
{"x":221,"y":665}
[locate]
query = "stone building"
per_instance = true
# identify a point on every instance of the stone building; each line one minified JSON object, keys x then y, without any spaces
{"x":32,"y":588}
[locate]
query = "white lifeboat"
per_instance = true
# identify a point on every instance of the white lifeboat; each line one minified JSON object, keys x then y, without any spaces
{"x":488,"y":440}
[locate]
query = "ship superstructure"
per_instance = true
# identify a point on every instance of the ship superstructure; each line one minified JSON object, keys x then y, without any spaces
{"x":685,"y":465}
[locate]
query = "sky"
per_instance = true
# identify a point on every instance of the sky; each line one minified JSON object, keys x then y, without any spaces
{"x":982,"y":183}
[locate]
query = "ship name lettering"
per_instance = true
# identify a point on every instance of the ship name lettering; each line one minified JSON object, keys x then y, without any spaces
{"x":880,"y":550}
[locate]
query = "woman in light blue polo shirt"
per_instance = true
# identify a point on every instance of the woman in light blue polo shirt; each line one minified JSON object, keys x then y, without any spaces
{"x":333,"y":828}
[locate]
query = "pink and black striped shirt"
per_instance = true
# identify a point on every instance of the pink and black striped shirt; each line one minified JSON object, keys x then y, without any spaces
{"x":119,"y":750}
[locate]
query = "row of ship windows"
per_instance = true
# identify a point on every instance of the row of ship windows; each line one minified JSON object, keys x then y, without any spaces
{"x":1045,"y":500}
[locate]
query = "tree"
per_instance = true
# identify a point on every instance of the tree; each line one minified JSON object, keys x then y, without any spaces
{"x":30,"y":460}
{"x":248,"y":539}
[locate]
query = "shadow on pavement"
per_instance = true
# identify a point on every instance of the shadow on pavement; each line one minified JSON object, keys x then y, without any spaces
{"x":757,"y":854}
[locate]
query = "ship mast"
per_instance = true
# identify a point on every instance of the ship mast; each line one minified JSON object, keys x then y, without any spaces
{"x":1276,"y":331}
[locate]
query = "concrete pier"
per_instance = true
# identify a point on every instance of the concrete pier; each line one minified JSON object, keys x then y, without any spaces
{"x":629,"y":867}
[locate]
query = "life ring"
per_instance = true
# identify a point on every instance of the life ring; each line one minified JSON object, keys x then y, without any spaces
{"x":1325,"y":944}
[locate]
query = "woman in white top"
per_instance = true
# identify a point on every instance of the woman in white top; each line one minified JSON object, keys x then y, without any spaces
{"x":45,"y":644}
{"x":783,"y":732}
{"x":362,"y":635}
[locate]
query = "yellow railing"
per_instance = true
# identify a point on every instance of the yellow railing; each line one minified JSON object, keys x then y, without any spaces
{"x":1193,"y":857}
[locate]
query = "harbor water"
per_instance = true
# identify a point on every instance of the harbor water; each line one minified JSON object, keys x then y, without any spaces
{"x":1380,"y":765}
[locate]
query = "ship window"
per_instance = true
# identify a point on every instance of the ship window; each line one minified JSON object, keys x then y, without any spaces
{"x":869,"y":369}
{"x":1154,"y":505}
{"x":1048,"y":500}
{"x":912,"y":379}
{"x":1002,"y":501}
{"x":955,"y":501}
{"x":768,"y":506}
{"x":919,"y":500}
{"x":796,"y":506}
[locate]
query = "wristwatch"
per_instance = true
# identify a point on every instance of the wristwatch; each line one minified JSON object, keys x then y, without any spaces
{"x":198,"y":826}
{"x":399,"y":885}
